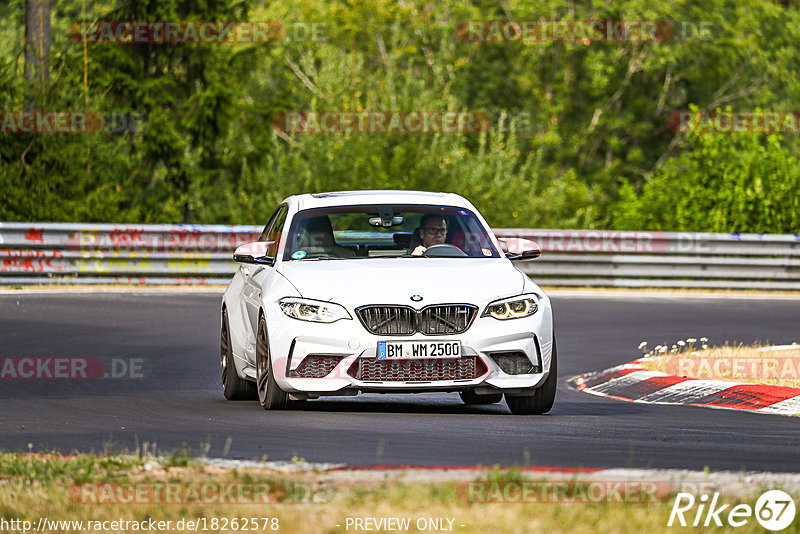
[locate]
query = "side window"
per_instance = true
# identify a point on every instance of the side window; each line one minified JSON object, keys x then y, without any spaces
{"x":275,"y":231}
{"x":263,"y":236}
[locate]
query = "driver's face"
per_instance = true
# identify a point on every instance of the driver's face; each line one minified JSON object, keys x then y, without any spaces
{"x":433,"y":233}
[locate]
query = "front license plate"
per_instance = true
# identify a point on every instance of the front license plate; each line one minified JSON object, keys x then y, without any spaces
{"x":418,"y":349}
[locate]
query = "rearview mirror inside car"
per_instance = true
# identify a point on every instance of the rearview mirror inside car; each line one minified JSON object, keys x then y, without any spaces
{"x":387,"y":221}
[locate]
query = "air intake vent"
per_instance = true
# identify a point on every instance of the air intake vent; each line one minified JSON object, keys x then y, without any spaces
{"x":316,"y":366}
{"x":424,"y":370}
{"x":514,"y":363}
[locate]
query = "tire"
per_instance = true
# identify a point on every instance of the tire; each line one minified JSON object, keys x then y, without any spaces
{"x":233,"y":386}
{"x":544,"y":396}
{"x":470,"y":397}
{"x":270,"y":395}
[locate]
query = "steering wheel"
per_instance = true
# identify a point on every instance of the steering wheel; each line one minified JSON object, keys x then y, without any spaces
{"x":443,"y":250}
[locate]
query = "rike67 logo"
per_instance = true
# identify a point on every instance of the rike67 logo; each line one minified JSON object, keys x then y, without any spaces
{"x":774,"y":510}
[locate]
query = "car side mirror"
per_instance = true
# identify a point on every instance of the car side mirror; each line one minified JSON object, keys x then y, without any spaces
{"x":521,"y":249}
{"x":503,"y":245}
{"x":255,"y":252}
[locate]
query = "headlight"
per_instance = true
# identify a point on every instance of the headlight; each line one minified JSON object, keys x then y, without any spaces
{"x":512,"y":308}
{"x":313,"y":310}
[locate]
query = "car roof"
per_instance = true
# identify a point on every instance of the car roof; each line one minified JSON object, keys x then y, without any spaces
{"x":384,"y":196}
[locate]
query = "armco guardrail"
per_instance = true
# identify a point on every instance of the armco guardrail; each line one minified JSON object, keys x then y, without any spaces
{"x":36,"y":253}
{"x":662,"y":259}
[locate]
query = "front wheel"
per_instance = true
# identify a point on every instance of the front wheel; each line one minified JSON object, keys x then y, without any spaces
{"x":270,"y":395}
{"x":543,"y":397}
{"x":233,"y":387}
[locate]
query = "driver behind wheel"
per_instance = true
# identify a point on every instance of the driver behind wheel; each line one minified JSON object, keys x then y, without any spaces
{"x":432,"y":231}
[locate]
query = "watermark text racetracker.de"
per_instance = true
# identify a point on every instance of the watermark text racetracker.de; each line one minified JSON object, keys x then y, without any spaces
{"x":69,"y":122}
{"x":582,"y":31}
{"x":183,"y":239}
{"x":746,"y":368}
{"x":400,"y":122}
{"x":71,"y":368}
{"x":565,"y":492}
{"x":622,"y":241}
{"x":149,"y":524}
{"x":739,"y":121}
{"x":206,"y":492}
{"x":196,"y":32}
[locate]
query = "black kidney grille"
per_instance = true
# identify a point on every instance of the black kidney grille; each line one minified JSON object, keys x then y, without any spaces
{"x":404,"y":320}
{"x":390,"y":320}
{"x":448,"y":319}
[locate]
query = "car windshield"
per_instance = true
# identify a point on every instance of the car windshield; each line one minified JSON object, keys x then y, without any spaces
{"x":380,"y":231}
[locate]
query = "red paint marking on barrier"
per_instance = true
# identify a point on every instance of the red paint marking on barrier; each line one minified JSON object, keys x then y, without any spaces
{"x":127,"y":238}
{"x":31,"y":253}
{"x":35,"y":235}
{"x":16,"y":265}
{"x":129,"y":280}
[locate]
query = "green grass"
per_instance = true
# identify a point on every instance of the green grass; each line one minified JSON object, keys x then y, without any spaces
{"x":33,"y":486}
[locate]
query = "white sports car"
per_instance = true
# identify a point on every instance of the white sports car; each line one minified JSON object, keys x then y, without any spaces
{"x":385,"y":292}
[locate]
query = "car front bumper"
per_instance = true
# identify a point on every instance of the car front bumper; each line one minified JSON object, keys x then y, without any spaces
{"x":346,"y":342}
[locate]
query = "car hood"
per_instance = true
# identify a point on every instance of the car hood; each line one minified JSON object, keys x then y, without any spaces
{"x":394,"y":281}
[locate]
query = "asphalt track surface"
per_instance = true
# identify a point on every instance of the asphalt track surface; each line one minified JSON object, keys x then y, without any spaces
{"x":177,"y":402}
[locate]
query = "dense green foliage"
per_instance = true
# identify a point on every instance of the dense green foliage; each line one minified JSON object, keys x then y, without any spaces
{"x":579,"y":136}
{"x":721,"y":185}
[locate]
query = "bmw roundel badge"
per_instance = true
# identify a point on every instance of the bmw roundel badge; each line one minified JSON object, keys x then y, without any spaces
{"x":416,"y":298}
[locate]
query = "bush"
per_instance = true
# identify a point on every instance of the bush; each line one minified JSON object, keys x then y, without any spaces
{"x":723,"y":183}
